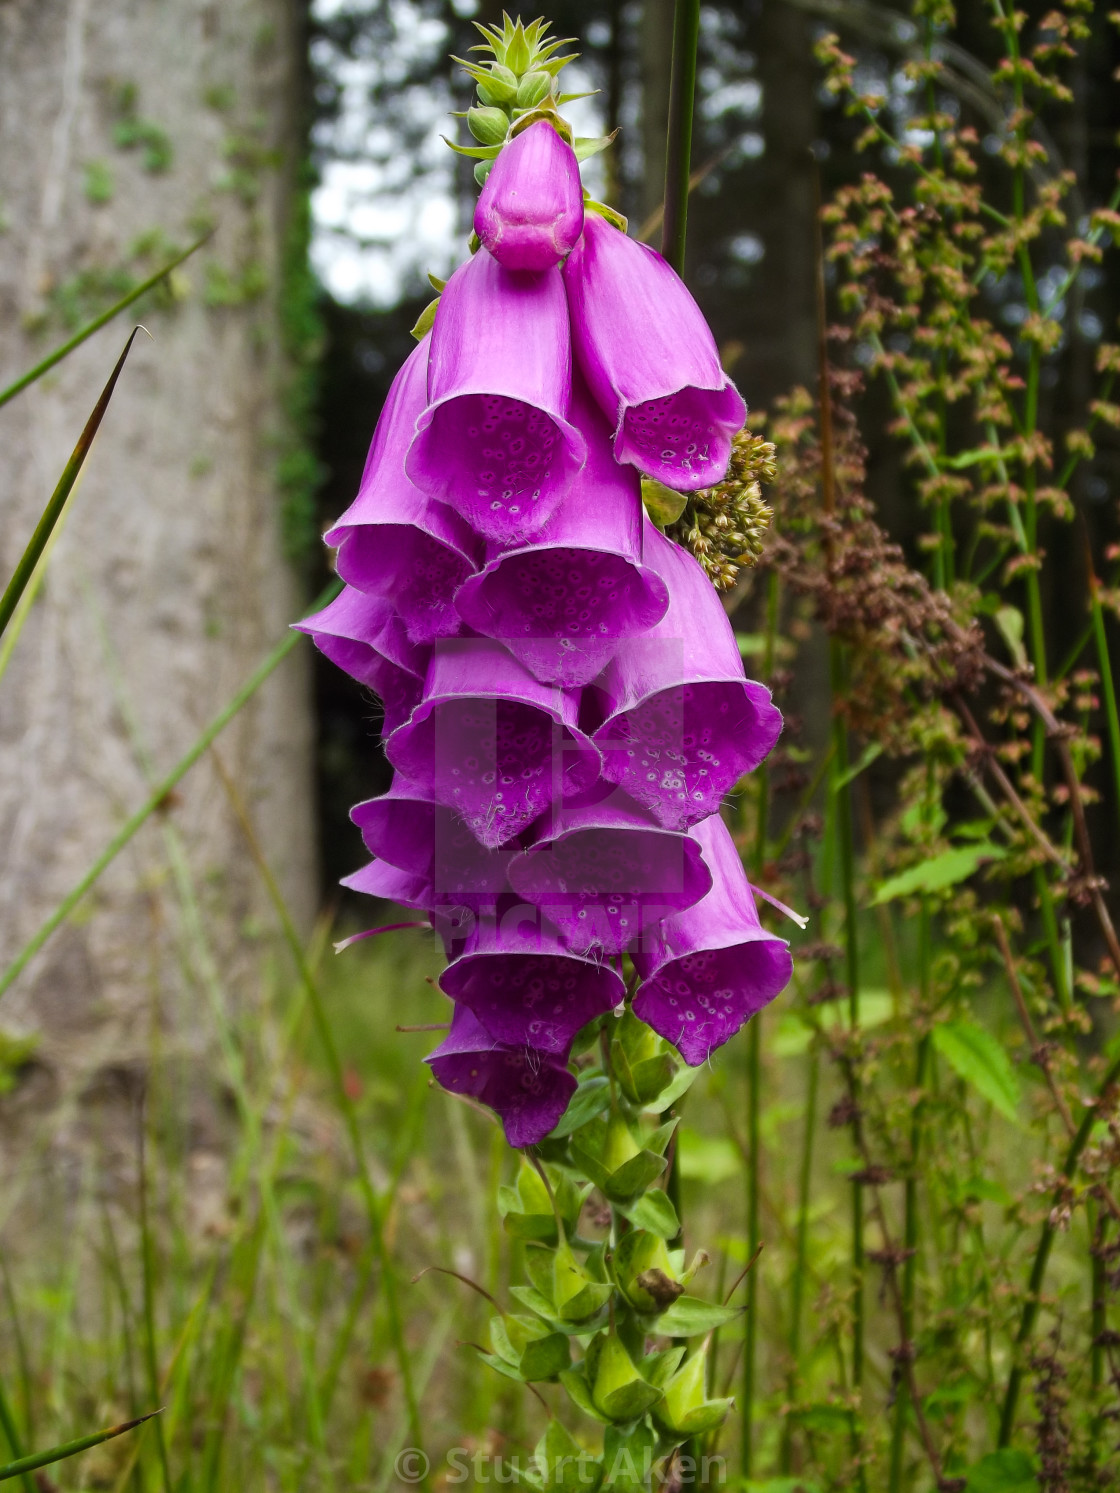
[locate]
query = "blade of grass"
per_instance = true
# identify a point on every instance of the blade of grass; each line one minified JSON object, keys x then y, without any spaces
{"x":69,"y":1448}
{"x":157,"y":797}
{"x":8,"y":1426}
{"x":97,"y":323}
{"x":148,"y":1271}
{"x":53,"y":511}
{"x":27,"y":600}
{"x":342,"y":1097}
{"x":678,"y":151}
{"x":1108,"y":684}
{"x":22,"y":1358}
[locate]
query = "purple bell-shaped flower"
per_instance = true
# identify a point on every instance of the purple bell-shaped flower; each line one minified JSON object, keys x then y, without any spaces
{"x":530,"y":213}
{"x":524,"y":985}
{"x":707,"y":970}
{"x":495,"y":441}
{"x":645,"y":349}
{"x":394,"y":541}
{"x":528,"y":1089}
{"x":407,"y":828}
{"x":605,"y":875}
{"x":496,"y":745}
{"x":364,"y":636}
{"x":680,"y":722}
{"x":562,"y":603}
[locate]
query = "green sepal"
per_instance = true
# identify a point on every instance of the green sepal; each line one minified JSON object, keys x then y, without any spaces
{"x":438,"y":285}
{"x":575,"y":1383}
{"x":685,"y":1409}
{"x":561,"y":1465}
{"x":570,"y":98}
{"x":538,"y":1267}
{"x":612,"y":215}
{"x":545,"y":1357}
{"x":660,"y":1367}
{"x":498,"y":85}
{"x":617,"y":1385}
{"x":534,"y":87}
{"x":482,"y":170}
{"x":590,"y":1099}
{"x":640,"y":1172}
{"x":688,"y":1316}
{"x":426,"y":320}
{"x":653,"y":1211}
{"x":531,"y":116}
{"x":643,"y":1062}
{"x":527,"y":1209}
{"x":663,"y":505}
{"x":575,"y":1294}
{"x":535,"y":1300}
{"x":488,"y":125}
{"x":586,"y":146}
{"x":499,"y":1365}
{"x":476,"y":152}
{"x":681,"y":1084}
{"x":500,"y":1342}
{"x":518,"y":54}
{"x":628,"y":1453}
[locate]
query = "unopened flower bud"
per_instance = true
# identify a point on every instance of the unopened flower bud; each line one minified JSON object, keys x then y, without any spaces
{"x":530,"y":213}
{"x":500,"y":87}
{"x":533,"y":88}
{"x":489,"y":126}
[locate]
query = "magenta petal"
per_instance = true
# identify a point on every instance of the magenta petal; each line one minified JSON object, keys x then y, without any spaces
{"x":528,"y":1089}
{"x":603,"y":873}
{"x":364,"y":636}
{"x":647,"y":353}
{"x":530,"y":213}
{"x":522,"y":983}
{"x":681,"y":724}
{"x":393,"y":540}
{"x":380,"y":879}
{"x":408,"y":829}
{"x":561,"y":603}
{"x":495,"y":442}
{"x":496,"y":744}
{"x":707,"y":970}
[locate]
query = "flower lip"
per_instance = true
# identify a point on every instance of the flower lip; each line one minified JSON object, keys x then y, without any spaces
{"x":650,"y":359}
{"x":496,"y":744}
{"x":380,"y":879}
{"x":364,"y":636}
{"x":393,"y":540}
{"x":679,"y":722}
{"x":524,"y":985}
{"x":495,"y":441}
{"x":406,"y":828}
{"x":528,"y":1089}
{"x":712,"y":966}
{"x":605,"y":875}
{"x":530,"y":212}
{"x":562,"y":602}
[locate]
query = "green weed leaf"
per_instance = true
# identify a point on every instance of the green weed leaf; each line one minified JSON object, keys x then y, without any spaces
{"x":978,"y":1057}
{"x":944,"y":870}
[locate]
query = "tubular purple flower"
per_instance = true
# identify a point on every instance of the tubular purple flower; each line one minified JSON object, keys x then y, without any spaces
{"x":393,"y":540}
{"x":496,"y":745}
{"x":652,"y":363}
{"x":529,"y":1090}
{"x":530,"y":213}
{"x":710,"y":968}
{"x":522,"y":983}
{"x":561,"y":603}
{"x":364,"y":636}
{"x":406,"y":828}
{"x":604,"y":875}
{"x":680,"y":723}
{"x":380,"y":879}
{"x":495,"y":441}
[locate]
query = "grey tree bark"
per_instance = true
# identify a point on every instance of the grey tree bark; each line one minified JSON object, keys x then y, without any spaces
{"x":124,"y":124}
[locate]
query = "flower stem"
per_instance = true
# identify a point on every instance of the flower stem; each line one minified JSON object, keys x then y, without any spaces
{"x":678,"y":150}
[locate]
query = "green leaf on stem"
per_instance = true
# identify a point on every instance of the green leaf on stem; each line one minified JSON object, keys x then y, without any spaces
{"x":979,"y":1058}
{"x":941,"y":871}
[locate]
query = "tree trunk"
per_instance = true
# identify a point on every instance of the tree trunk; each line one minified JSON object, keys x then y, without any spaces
{"x":125,"y":125}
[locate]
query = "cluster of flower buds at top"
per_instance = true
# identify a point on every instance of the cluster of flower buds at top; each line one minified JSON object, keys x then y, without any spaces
{"x":564,"y":701}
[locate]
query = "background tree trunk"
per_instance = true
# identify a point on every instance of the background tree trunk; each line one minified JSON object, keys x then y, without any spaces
{"x":126,"y":126}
